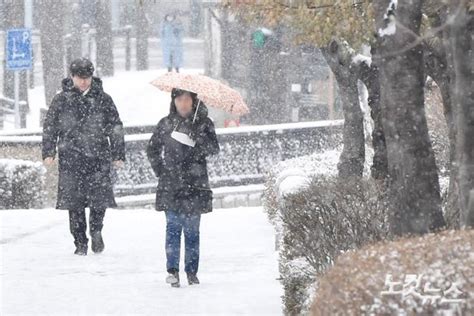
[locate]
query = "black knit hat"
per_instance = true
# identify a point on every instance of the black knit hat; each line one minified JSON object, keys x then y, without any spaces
{"x":82,"y":67}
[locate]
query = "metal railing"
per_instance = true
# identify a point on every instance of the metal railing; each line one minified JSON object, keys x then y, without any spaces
{"x":7,"y":108}
{"x":247,"y":153}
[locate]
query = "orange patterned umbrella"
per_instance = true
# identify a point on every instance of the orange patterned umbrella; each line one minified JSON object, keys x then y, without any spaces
{"x":210,"y":91}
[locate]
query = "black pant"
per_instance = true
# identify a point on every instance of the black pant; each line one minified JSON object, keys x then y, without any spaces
{"x":78,"y":225}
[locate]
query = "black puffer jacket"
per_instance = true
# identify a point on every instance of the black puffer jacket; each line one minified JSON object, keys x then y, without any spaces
{"x":183,"y":182}
{"x":87,"y":134}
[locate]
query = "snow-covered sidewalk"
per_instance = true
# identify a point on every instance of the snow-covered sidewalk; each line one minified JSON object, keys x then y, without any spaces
{"x":40,"y":275}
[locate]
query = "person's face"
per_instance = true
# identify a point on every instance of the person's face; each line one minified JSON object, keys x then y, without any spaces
{"x":170,"y":18}
{"x":184,"y":104}
{"x":82,"y":83}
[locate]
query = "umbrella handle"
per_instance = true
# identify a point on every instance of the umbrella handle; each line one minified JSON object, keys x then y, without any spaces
{"x":195,"y":112}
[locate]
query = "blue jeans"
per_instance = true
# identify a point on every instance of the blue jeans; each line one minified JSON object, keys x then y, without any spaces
{"x":176,"y":223}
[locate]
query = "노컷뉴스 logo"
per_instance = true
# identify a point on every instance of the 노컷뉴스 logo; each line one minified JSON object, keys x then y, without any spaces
{"x":421,"y":291}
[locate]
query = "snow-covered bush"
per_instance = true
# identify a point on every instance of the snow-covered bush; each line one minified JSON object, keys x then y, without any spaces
{"x":21,"y":184}
{"x":428,"y":275}
{"x":287,"y":176}
{"x":332,"y":216}
{"x":327,"y":219}
{"x":318,"y":217}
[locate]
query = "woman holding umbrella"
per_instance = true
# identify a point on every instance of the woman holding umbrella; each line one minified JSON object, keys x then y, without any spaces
{"x":177,"y":152}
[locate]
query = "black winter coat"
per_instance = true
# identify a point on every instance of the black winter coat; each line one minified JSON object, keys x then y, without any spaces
{"x":87,"y":133}
{"x":183,"y":181}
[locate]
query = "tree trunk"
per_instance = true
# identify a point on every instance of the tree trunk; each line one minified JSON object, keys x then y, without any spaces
{"x":195,"y":19}
{"x":351,"y":161}
{"x":415,"y":206}
{"x":461,"y":55}
{"x":370,"y":77}
{"x":104,"y":39}
{"x":52,"y":46}
{"x":436,"y":66}
{"x":74,"y":40}
{"x":141,"y":32}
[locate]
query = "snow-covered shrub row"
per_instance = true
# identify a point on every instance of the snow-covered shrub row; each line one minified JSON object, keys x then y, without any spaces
{"x":317,"y":218}
{"x":244,"y":158}
{"x":428,"y":275}
{"x":21,"y":184}
{"x":292,"y":175}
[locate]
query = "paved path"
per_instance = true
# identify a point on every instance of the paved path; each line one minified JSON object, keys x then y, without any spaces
{"x":40,"y":275}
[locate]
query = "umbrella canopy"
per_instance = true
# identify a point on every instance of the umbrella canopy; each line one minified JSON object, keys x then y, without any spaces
{"x":210,"y":91}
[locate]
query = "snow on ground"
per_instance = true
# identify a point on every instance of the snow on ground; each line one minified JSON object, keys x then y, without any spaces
{"x":40,"y":275}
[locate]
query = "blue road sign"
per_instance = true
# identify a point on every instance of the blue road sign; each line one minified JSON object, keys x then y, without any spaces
{"x":19,"y":54}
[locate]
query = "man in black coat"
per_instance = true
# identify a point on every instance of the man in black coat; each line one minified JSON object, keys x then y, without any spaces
{"x":177,"y":152}
{"x":83,"y":127}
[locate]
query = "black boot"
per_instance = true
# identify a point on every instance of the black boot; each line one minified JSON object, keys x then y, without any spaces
{"x":173,"y":278}
{"x":97,"y":242}
{"x":192,"y":279}
{"x":81,"y":250}
{"x":96,"y":223}
{"x":77,"y":224}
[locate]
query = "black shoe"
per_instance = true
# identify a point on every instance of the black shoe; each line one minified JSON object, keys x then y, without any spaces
{"x":192,"y":279}
{"x":81,"y":250}
{"x":173,"y":279}
{"x":97,"y":242}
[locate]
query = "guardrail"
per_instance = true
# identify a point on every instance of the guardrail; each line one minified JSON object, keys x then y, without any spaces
{"x":7,"y":108}
{"x":247,"y":153}
{"x":129,"y":130}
